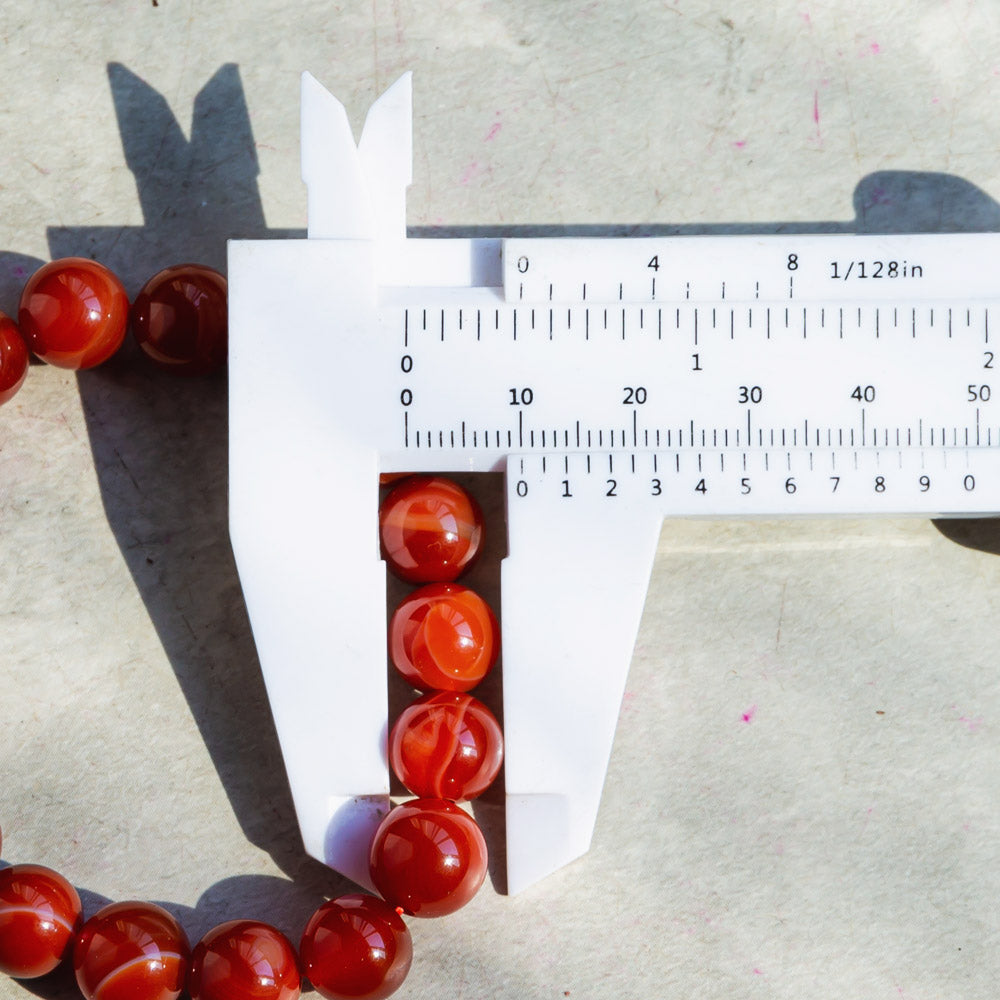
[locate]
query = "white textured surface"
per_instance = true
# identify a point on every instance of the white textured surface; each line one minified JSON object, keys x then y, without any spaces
{"x":802,"y":793}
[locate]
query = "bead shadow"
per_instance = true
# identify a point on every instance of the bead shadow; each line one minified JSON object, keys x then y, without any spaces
{"x":15,"y":269}
{"x":60,"y":984}
{"x":285,"y":904}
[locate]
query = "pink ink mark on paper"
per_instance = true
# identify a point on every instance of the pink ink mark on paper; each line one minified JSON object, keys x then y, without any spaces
{"x":740,"y":143}
{"x":875,"y":48}
{"x":757,"y":972}
{"x":470,"y":171}
{"x":819,"y":134}
{"x":973,"y":725}
{"x":492,"y":134}
{"x":750,"y":713}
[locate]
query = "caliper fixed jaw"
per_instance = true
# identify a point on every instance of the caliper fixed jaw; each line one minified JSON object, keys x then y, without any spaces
{"x":308,"y":427}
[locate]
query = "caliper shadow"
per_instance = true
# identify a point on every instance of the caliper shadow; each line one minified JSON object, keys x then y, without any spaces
{"x":160,"y":449}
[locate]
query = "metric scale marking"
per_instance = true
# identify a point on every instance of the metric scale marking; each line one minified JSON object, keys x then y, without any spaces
{"x":916,"y":384}
{"x":733,"y":375}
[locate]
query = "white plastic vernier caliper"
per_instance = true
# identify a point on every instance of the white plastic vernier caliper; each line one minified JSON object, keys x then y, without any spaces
{"x":615,"y":382}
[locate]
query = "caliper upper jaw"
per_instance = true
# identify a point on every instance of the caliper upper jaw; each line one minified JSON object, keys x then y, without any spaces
{"x":304,"y":469}
{"x":357,"y":191}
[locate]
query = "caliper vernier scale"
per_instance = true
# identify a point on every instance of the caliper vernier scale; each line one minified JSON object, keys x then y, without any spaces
{"x":616,"y":382}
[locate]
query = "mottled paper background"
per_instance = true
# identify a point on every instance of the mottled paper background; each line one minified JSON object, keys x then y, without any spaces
{"x":801,"y":800}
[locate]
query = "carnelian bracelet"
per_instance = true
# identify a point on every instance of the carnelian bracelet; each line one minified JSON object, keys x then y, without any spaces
{"x":428,"y":856}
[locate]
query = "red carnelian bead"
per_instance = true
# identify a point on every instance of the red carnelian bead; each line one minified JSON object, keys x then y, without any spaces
{"x":432,"y":529}
{"x":131,"y":951}
{"x":244,"y":960}
{"x":13,"y":358}
{"x":39,"y":914}
{"x":428,"y":857}
{"x":446,"y":745}
{"x":73,"y":313}
{"x":180,"y":319}
{"x":356,"y":946}
{"x":444,"y":637}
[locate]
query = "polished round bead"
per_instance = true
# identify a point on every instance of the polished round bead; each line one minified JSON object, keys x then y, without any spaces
{"x":428,"y":857}
{"x":446,"y":745}
{"x":40,"y":913}
{"x":131,"y":951}
{"x":180,"y":319}
{"x":432,"y":529}
{"x":444,"y":637}
{"x":73,"y":313}
{"x":244,"y":960}
{"x":13,"y":358}
{"x":356,"y":946}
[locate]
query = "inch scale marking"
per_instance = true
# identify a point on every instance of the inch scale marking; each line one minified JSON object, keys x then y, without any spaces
{"x":715,"y":268}
{"x":615,"y":383}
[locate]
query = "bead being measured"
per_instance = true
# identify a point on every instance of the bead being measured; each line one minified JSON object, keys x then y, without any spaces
{"x":444,"y":637}
{"x":446,"y":745}
{"x":431,"y":529}
{"x":428,"y":856}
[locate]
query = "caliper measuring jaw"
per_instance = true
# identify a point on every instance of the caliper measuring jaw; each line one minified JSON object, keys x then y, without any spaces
{"x":317,"y":331}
